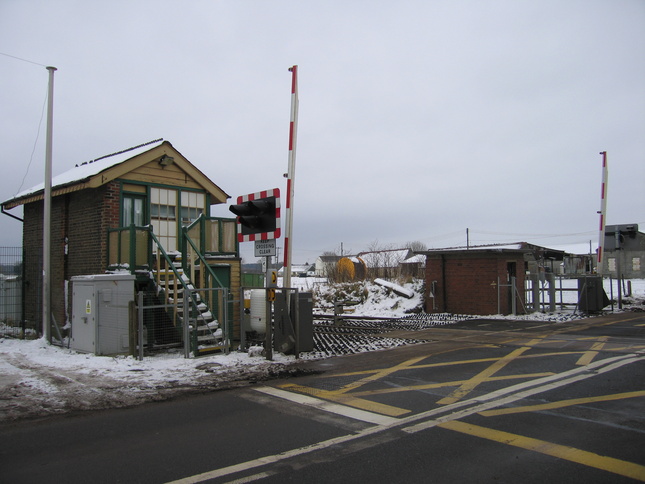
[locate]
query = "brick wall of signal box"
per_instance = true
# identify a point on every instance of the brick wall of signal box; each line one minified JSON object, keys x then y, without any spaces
{"x":79,"y":226}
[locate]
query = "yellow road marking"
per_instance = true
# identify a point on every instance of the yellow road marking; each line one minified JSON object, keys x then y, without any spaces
{"x":428,"y":386}
{"x":562,"y":403}
{"x":588,"y":356}
{"x":589,"y":459}
{"x":341,"y":395}
{"x":349,"y":400}
{"x":454,"y":363}
{"x":348,"y":396}
{"x":469,"y":385}
{"x":380,"y":374}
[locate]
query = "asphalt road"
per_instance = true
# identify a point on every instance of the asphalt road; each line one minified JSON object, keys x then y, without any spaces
{"x":484,"y":401}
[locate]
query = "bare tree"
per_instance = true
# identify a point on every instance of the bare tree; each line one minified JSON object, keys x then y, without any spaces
{"x":416,"y":246}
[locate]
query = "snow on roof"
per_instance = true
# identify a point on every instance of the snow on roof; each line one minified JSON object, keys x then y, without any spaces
{"x":526,"y":246}
{"x":490,"y":247}
{"x":415,"y":259}
{"x":90,"y":168}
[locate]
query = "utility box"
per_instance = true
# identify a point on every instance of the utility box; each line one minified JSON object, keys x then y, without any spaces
{"x":101,"y":313}
{"x":286,"y":326}
{"x":592,"y":297}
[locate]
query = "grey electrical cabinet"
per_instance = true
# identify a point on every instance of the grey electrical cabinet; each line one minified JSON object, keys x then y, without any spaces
{"x":285,"y":325}
{"x":101,"y":313}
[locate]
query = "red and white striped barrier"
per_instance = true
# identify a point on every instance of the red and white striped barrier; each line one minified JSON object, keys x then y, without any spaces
{"x":293,"y":127}
{"x":603,"y":211}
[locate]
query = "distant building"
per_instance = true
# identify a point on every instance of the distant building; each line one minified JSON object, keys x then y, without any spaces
{"x":325,"y":265}
{"x":625,"y":250}
{"x":475,"y":280}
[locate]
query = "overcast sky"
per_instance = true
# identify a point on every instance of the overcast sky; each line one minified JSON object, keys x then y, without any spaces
{"x":418,"y":119}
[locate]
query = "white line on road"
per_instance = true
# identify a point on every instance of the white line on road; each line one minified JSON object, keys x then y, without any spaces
{"x":478,"y":404}
{"x":327,"y":406}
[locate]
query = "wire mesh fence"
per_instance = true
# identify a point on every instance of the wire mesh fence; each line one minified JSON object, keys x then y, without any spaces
{"x":12,"y":322}
{"x":186,"y":323}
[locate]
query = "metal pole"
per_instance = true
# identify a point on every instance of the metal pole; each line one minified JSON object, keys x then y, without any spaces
{"x":140,"y":324}
{"x":268,"y":335}
{"x":602,"y":212}
{"x":47,"y":211}
{"x":619,"y":276}
{"x":291,"y":173}
{"x":513,"y":298}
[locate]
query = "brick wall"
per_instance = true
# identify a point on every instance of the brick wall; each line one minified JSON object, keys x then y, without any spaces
{"x":467,"y":283}
{"x":79,"y":226}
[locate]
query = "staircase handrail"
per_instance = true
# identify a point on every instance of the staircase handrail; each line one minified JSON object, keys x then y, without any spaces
{"x":178,"y":276}
{"x":201,"y":257}
{"x":201,"y":220}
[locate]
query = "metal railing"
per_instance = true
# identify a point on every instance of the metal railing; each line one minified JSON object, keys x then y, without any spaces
{"x":193,"y":330}
{"x":212,"y":235}
{"x":131,"y":247}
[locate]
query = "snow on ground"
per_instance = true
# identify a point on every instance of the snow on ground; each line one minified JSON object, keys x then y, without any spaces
{"x":37,"y":379}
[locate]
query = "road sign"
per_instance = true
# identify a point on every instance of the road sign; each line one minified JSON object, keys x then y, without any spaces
{"x":265,"y":248}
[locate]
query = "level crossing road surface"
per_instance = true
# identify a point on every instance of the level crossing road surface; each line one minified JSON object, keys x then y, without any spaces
{"x":482,"y":401}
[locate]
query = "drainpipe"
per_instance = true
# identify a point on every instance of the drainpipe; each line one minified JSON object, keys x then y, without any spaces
{"x":11,"y":215}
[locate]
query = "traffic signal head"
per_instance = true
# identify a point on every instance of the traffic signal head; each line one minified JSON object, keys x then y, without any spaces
{"x":258,"y":216}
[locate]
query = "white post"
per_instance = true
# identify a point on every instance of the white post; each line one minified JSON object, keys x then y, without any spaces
{"x":602,"y":212}
{"x":47,"y":211}
{"x":291,"y":174}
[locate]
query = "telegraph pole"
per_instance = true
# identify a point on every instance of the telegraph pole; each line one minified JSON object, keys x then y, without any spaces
{"x":47,"y":211}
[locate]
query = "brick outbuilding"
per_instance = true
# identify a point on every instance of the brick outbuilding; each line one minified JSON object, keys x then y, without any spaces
{"x":475,"y":281}
{"x":124,"y":212}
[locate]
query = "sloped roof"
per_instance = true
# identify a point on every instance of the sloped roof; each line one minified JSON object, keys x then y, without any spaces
{"x":95,"y":173}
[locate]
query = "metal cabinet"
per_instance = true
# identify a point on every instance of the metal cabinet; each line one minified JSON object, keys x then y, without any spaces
{"x":101,"y":314}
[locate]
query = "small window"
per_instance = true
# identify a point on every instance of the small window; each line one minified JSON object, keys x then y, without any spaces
{"x":192,"y":206}
{"x":163,"y":216}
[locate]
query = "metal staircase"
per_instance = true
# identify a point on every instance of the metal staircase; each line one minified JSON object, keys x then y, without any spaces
{"x":186,"y":300}
{"x":185,"y":305}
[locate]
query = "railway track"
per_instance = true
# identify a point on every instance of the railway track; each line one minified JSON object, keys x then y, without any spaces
{"x":358,"y":334}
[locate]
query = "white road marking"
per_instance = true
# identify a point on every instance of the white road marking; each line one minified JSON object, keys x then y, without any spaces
{"x":355,"y":413}
{"x":478,"y":404}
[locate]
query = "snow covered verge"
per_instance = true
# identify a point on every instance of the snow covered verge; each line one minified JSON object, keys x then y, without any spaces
{"x":38,"y":380}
